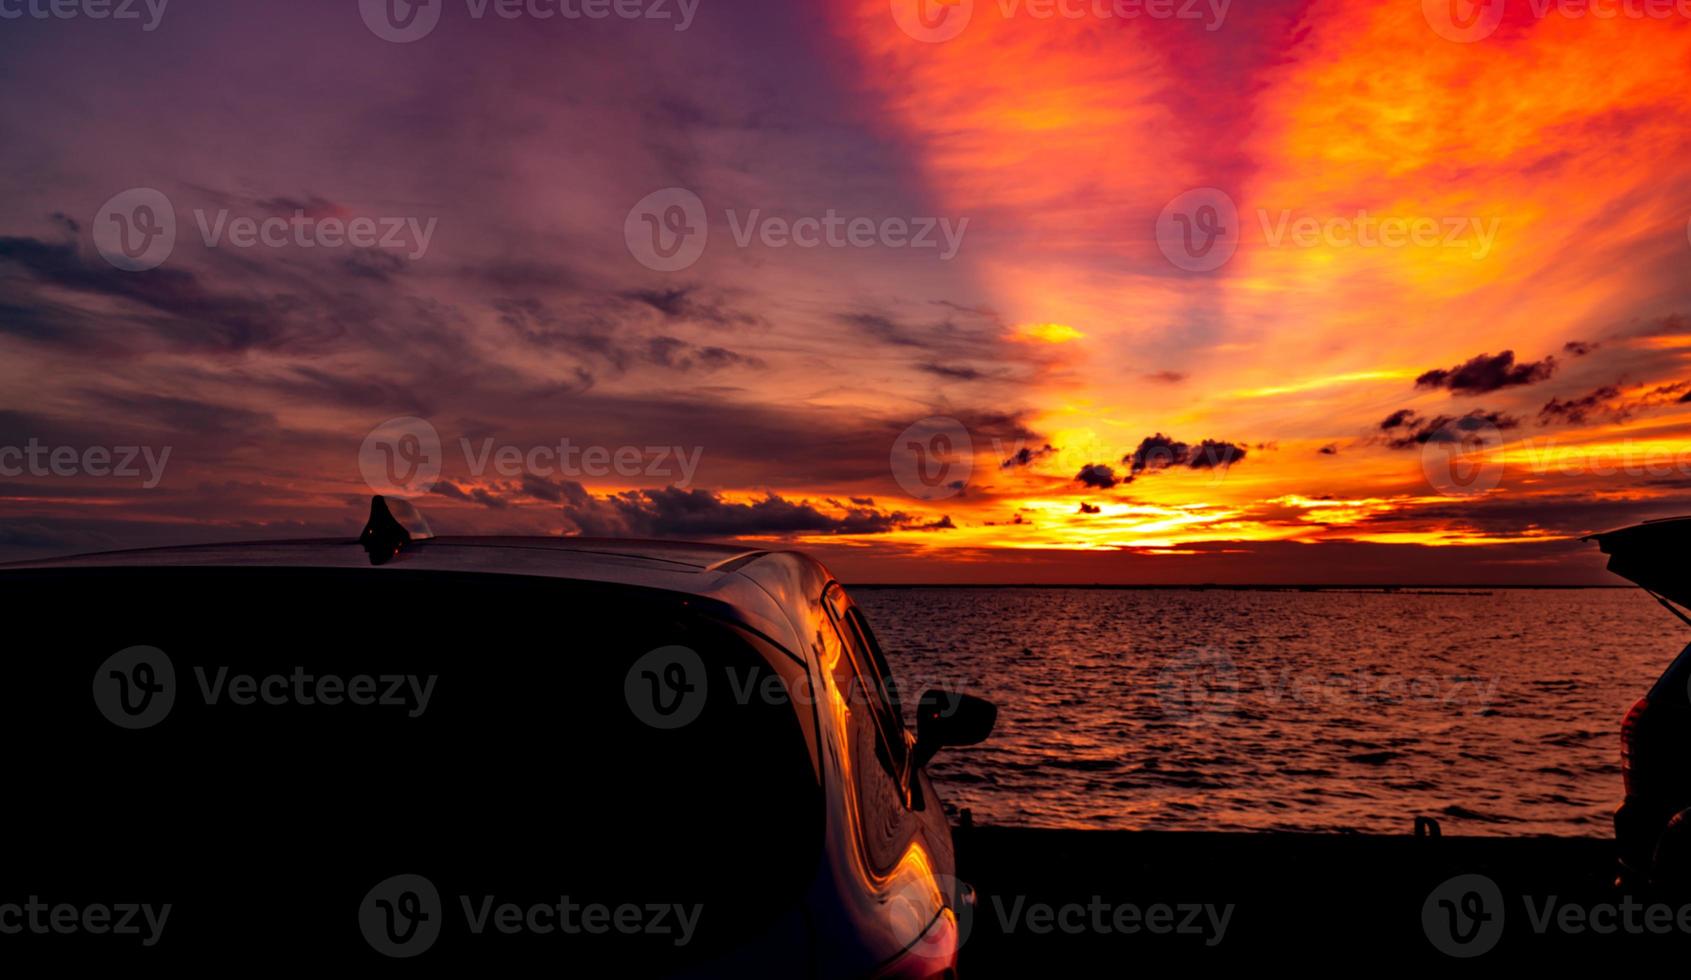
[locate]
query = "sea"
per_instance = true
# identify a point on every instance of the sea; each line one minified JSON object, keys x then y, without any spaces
{"x":1494,"y":711}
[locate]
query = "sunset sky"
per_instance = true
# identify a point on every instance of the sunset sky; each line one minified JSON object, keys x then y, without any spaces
{"x":1131,"y":416}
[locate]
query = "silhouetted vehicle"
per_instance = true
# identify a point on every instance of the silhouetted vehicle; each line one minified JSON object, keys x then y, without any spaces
{"x":702,"y":743}
{"x":1653,"y":824}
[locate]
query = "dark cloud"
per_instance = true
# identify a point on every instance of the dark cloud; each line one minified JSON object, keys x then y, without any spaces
{"x":313,"y":206}
{"x":1485,"y":373}
{"x":671,"y":352}
{"x":686,"y":304}
{"x":593,"y":332}
{"x":884,"y":329}
{"x":1026,"y":455}
{"x":374,"y":264}
{"x":954,"y":372}
{"x":173,"y":304}
{"x":1419,"y":431}
{"x":1397,"y":419}
{"x":1086,"y":508}
{"x":541,"y":488}
{"x":674,"y":512}
{"x":1574,"y":411}
{"x":1608,"y":404}
{"x":185,"y":415}
{"x":477,"y":495}
{"x":1331,"y":449}
{"x":1160,"y":452}
{"x":950,"y":342}
{"x":1579,"y":348}
{"x":1569,"y":514}
{"x":1156,"y":452}
{"x":1097,"y":476}
{"x":1210,"y":453}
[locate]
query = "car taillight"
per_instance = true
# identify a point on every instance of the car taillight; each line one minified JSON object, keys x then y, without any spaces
{"x":1629,"y":740}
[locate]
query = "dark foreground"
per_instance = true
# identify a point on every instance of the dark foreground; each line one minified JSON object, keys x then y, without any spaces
{"x":1050,"y":901}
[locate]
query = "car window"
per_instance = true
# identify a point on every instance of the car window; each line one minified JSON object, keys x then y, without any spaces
{"x":875,"y":777}
{"x":871,"y":670}
{"x":889,"y":684}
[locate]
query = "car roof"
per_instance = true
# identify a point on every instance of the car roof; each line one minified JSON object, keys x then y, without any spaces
{"x":774,"y":592}
{"x":676,"y":565}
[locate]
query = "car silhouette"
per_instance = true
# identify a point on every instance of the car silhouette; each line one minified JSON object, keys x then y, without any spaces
{"x":670,"y":758}
{"x":1653,"y":824}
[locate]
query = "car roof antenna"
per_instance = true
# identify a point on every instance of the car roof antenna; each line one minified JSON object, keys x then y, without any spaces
{"x":383,"y":536}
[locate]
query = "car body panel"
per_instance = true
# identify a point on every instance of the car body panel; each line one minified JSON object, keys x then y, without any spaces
{"x":880,"y":899}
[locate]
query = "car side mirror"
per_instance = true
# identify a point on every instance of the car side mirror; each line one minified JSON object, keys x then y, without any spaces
{"x":947,"y":719}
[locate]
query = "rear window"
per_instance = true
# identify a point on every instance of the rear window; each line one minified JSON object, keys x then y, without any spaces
{"x":307,"y":735}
